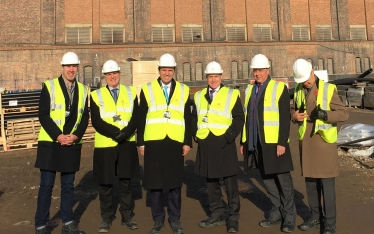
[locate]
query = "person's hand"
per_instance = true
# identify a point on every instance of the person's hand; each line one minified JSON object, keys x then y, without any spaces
{"x":242,"y":149}
{"x":120,"y":137}
{"x":299,"y":117}
{"x":186,"y":149}
{"x":280,"y":150}
{"x":141,"y":150}
{"x":65,"y":140}
{"x":318,"y":113}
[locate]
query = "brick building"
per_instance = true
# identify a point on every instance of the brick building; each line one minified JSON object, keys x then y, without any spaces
{"x":335,"y":35}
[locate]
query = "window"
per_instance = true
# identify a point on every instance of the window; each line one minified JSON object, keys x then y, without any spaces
{"x":245,"y":70}
{"x":192,"y":33}
{"x":330,"y":66}
{"x":366,"y":64}
{"x":323,"y":32}
{"x":88,"y":75}
{"x":271,"y":67}
{"x":358,"y":32}
{"x":236,"y":32}
{"x":261,"y":32}
{"x":199,"y":71}
{"x":112,"y":33}
{"x":186,"y":72}
{"x":300,"y":33}
{"x":358,"y":65}
{"x":310,"y":60}
{"x":163,"y":33}
{"x":320,"y":64}
{"x":234,"y":70}
{"x":78,"y":34}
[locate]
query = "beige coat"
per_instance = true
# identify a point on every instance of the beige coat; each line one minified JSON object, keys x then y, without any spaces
{"x":320,"y":159}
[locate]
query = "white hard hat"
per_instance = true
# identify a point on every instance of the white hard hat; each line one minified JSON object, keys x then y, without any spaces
{"x":301,"y":70}
{"x":110,"y":66}
{"x":213,"y":68}
{"x":167,"y":60}
{"x":70,"y":58}
{"x":260,"y":61}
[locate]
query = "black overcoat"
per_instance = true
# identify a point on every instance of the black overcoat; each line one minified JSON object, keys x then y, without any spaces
{"x":121,"y":160}
{"x":272,"y":164}
{"x":216,"y":156}
{"x":51,"y":155}
{"x":163,"y":160}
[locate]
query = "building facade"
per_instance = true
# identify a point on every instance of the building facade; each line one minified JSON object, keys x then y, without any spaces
{"x":335,"y":35}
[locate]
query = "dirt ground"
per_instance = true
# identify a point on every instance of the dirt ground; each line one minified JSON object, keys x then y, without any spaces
{"x":19,"y":182}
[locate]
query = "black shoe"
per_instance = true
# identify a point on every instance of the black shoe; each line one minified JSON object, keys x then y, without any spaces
{"x":104,"y":226}
{"x":232,"y":226}
{"x":42,"y":231}
{"x":270,"y":222}
{"x":210,"y":222}
{"x":288,"y":227}
{"x":329,"y":229}
{"x":309,"y":225}
{"x":157,"y":228}
{"x":176,"y":227}
{"x":71,"y":228}
{"x":129,"y":224}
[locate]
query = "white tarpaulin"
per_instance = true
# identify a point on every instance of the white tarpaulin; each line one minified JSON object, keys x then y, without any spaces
{"x":352,"y":132}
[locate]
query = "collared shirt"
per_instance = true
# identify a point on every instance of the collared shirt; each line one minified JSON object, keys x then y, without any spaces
{"x":168,"y":89}
{"x":215,"y":91}
{"x":70,"y":91}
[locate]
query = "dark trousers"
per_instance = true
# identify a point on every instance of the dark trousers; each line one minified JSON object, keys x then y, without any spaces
{"x":216,"y":201}
{"x":47,"y":182}
{"x":280,"y":190}
{"x":174,"y":204}
{"x":125,"y":200}
{"x":316,"y":189}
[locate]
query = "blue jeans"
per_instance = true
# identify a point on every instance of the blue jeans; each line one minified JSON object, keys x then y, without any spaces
{"x":47,"y":181}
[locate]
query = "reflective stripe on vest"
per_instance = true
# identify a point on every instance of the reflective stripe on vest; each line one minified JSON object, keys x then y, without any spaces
{"x":327,"y":131}
{"x":271,"y":110}
{"x":109,"y":110}
{"x":58,"y":108}
{"x":157,"y":125}
{"x":218,"y":112}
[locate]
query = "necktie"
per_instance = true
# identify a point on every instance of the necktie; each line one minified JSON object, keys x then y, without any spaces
{"x":115,"y":95}
{"x":166,"y":93}
{"x":211,"y":94}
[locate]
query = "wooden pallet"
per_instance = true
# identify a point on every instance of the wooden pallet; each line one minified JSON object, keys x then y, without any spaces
{"x":21,"y":146}
{"x":20,"y":109}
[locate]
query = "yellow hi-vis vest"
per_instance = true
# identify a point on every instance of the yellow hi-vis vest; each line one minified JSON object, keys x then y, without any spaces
{"x":58,"y":107}
{"x":271,"y":110}
{"x":109,"y":111}
{"x":218,"y":113}
{"x":327,"y":131}
{"x":162,"y":119}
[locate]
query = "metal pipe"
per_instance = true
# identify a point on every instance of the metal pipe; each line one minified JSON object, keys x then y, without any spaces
{"x":355,"y":141}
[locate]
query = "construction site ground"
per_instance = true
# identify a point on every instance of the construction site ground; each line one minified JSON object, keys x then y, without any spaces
{"x":19,"y":182}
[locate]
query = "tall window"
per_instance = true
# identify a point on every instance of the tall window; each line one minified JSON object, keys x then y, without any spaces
{"x":261,"y":32}
{"x":234,"y":70}
{"x":163,"y":33}
{"x":330,"y":66}
{"x":245,"y":69}
{"x":192,"y":33}
{"x":358,"y":65}
{"x":78,"y":34}
{"x":300,"y":33}
{"x":199,"y":71}
{"x":186,"y":72}
{"x":236,"y":32}
{"x":358,"y":32}
{"x":367,"y":65}
{"x":88,"y":75}
{"x":112,"y":33}
{"x":320,"y":64}
{"x":310,"y":60}
{"x":323,"y":33}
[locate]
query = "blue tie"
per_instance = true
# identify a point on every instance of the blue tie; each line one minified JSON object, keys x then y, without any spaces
{"x":166,"y":93}
{"x":115,"y":95}
{"x":211,"y":94}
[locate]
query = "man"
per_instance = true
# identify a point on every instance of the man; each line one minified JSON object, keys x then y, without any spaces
{"x":218,"y":120}
{"x":63,"y":115}
{"x":265,"y":142}
{"x":317,"y":110}
{"x":114,"y":110}
{"x":164,"y":137}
